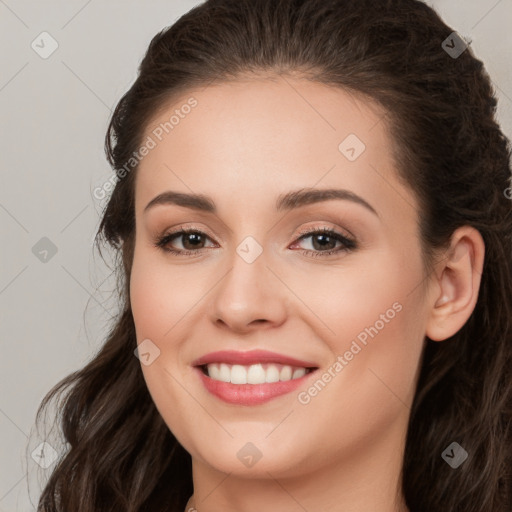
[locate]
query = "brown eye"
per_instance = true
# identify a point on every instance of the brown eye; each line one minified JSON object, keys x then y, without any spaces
{"x":324,"y":242}
{"x":192,"y":241}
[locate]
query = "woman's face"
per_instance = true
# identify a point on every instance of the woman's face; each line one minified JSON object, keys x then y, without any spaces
{"x":256,"y":282}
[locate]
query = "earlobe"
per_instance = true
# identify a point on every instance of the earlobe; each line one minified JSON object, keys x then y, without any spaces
{"x":458,"y":277}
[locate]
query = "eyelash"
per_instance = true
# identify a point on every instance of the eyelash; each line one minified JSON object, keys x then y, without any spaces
{"x":348,"y":244}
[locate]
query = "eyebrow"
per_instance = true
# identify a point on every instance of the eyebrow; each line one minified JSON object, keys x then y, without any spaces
{"x":285,"y":202}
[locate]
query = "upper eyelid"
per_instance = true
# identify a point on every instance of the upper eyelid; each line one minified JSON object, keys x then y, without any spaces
{"x":342,"y":232}
{"x":303,"y":233}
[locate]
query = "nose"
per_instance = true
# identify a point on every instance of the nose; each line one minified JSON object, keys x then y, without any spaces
{"x":250,"y":296}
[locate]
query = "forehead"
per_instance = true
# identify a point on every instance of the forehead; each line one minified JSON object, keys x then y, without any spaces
{"x":247,"y":114}
{"x":251,"y":140}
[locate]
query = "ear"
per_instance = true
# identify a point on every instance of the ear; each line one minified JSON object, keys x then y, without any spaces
{"x":456,"y":284}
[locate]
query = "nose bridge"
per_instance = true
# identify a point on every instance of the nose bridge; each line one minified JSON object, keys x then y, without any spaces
{"x":250,"y":290}
{"x":249,"y":272}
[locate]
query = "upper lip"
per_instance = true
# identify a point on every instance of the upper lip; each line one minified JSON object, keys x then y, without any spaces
{"x":251,"y":357}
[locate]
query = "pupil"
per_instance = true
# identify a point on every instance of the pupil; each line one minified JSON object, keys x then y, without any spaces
{"x":193,"y":236}
{"x":324,"y":238}
{"x":195,"y":239}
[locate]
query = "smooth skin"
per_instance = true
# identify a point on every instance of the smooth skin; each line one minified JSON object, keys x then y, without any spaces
{"x":244,"y":144}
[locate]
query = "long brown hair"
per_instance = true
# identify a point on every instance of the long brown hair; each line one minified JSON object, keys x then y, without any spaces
{"x":448,"y":149}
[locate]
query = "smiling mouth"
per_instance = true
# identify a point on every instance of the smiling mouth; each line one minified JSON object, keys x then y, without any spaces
{"x":260,"y":373}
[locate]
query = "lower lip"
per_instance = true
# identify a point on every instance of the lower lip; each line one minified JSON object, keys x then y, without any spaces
{"x":250,"y":394}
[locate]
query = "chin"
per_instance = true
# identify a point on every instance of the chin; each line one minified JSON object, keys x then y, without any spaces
{"x":251,"y":459}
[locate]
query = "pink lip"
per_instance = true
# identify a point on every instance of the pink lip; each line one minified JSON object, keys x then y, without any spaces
{"x":250,"y":357}
{"x":249,"y":394}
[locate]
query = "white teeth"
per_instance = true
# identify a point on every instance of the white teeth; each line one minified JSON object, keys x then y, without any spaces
{"x":238,"y":374}
{"x":214,"y":371}
{"x":298,"y":372}
{"x":224,"y":373}
{"x":286,"y":373}
{"x":272,"y":373}
{"x":254,"y":374}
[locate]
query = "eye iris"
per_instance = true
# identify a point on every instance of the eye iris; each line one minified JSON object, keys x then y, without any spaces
{"x":324,"y":243}
{"x":194,"y":236}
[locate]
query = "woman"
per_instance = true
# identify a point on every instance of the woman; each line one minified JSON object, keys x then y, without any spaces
{"x":314,"y":232}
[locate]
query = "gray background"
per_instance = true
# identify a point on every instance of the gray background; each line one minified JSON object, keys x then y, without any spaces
{"x":54,"y":314}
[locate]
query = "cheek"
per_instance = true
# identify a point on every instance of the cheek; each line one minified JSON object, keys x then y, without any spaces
{"x":161,"y":296}
{"x":370,"y":385}
{"x":375,"y":376}
{"x":158,"y":305}
{"x":149,"y":301}
{"x":374,"y":326}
